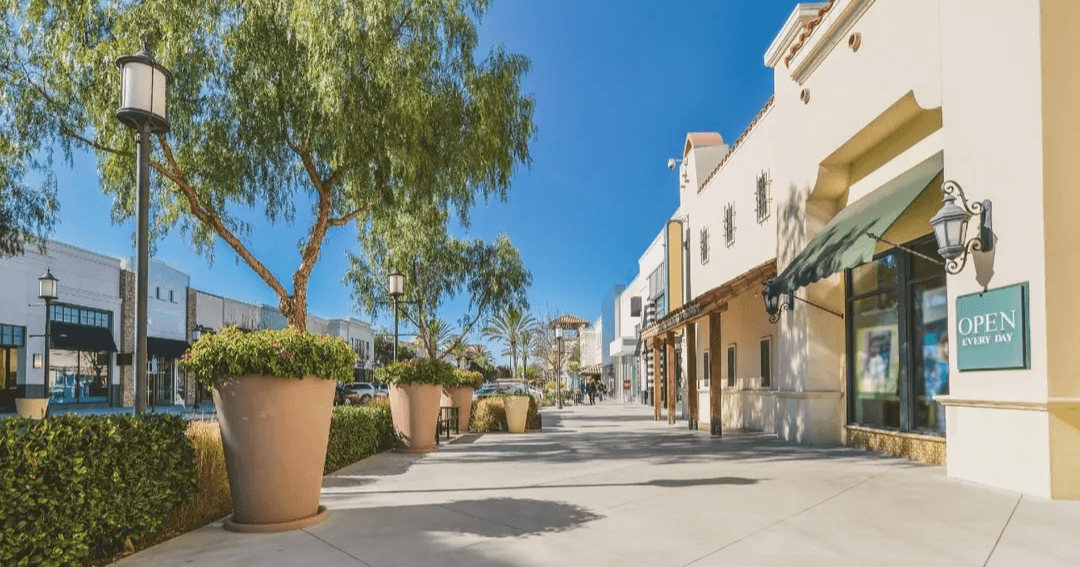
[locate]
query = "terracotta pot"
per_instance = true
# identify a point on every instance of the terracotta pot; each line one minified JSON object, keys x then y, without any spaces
{"x":517,"y":409}
{"x":274,"y":432}
{"x":31,"y":407}
{"x":459,"y":397}
{"x":415,"y":410}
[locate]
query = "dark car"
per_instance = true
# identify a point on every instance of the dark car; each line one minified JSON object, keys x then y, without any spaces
{"x":345,"y":397}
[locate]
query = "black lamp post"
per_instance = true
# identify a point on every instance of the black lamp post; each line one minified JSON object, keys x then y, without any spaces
{"x":47,"y":290}
{"x":558,"y":369}
{"x":397,"y":288}
{"x":143,"y":91}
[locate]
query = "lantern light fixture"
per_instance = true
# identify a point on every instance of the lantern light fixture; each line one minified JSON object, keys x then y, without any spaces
{"x":47,"y":286}
{"x":144,"y":85}
{"x":950,"y":227}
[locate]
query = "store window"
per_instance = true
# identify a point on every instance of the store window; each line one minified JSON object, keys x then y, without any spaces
{"x":78,"y":376}
{"x":898,"y":334}
{"x":12,"y":339}
{"x":708,"y":369}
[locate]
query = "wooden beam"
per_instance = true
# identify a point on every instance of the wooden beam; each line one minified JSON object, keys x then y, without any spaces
{"x":691,"y":374}
{"x":671,"y":392}
{"x":716,"y":346}
{"x":656,"y":379}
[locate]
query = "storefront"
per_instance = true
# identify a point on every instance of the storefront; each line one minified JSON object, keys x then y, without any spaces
{"x":12,"y":349}
{"x":80,"y":357}
{"x":168,"y":384}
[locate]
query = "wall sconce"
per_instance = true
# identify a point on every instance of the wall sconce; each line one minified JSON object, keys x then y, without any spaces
{"x":37,"y":361}
{"x":950,"y":227}
{"x":773,"y":306}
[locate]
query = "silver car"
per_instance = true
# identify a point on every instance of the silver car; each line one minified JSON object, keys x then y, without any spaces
{"x":367,"y":391}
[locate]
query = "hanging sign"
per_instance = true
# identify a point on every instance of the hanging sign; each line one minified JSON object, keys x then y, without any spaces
{"x":992,"y":329}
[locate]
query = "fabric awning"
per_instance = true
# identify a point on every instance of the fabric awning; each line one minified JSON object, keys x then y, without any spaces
{"x":844,"y":243}
{"x":69,"y":336}
{"x":167,"y":348}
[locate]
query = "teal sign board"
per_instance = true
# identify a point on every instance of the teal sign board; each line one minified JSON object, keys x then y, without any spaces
{"x":992,"y":329}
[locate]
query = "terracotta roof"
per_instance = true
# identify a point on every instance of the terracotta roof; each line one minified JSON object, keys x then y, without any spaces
{"x":595,"y":369}
{"x":808,"y":28}
{"x":705,"y":139}
{"x":738,"y":141}
{"x":569,"y":322}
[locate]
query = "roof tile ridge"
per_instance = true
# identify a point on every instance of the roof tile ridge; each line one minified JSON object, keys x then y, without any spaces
{"x":808,"y":28}
{"x":738,"y":141}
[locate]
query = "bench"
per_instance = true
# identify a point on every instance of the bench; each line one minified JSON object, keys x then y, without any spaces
{"x":448,"y":419}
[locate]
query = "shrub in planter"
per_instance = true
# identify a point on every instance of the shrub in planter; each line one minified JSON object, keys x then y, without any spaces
{"x":458,"y":393}
{"x":415,"y":393}
{"x":76,"y":488}
{"x":489,"y":414}
{"x":357,"y":432}
{"x":274,"y":393}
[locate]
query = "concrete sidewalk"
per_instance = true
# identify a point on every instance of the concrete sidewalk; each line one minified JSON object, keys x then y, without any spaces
{"x":605,"y":485}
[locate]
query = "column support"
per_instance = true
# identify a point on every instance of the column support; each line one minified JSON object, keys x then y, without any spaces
{"x":656,"y":378}
{"x":716,"y":349}
{"x":669,"y":347}
{"x":691,"y":373}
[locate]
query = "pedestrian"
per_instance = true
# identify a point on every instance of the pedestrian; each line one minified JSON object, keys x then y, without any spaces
{"x":592,"y":393}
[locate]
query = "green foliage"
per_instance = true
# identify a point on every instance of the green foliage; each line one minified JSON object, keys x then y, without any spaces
{"x":507,"y":325}
{"x":384,"y":350}
{"x":418,"y":371}
{"x":489,"y":414}
{"x":351,"y":111}
{"x":357,"y":432}
{"x":466,"y":379}
{"x":75,"y":488}
{"x":288,"y":353}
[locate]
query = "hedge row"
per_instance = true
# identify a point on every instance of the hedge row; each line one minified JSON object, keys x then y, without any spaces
{"x":357,"y":432}
{"x":489,"y":414}
{"x":76,"y":488}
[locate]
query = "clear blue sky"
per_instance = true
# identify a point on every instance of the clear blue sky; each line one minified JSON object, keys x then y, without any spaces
{"x":617,"y":83}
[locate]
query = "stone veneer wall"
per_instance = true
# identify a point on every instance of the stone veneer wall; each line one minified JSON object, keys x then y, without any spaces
{"x":189,"y":327}
{"x":923,"y":448}
{"x":127,"y":336}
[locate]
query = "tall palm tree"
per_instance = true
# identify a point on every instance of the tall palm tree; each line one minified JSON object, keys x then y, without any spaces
{"x":507,"y":326}
{"x":528,"y":344}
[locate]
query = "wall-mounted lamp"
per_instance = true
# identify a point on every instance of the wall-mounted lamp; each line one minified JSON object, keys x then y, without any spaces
{"x":672,"y":162}
{"x":37,"y":361}
{"x":950,"y":227}
{"x":773,"y":305}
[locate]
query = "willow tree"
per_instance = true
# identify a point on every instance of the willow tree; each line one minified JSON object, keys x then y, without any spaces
{"x":321,"y":112}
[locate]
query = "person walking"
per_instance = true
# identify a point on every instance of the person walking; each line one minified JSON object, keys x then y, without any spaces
{"x":592,"y":392}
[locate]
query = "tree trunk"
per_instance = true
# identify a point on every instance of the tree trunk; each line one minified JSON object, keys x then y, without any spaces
{"x":295,"y":311}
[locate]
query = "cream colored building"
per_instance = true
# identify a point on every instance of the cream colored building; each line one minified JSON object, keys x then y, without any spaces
{"x":827,"y":196}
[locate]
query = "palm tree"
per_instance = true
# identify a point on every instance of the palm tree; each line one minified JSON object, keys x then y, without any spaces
{"x":528,"y":344}
{"x":507,"y":326}
{"x":436,"y":338}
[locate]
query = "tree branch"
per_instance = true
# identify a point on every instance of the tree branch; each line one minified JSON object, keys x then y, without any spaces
{"x":212,"y":219}
{"x":66,"y":131}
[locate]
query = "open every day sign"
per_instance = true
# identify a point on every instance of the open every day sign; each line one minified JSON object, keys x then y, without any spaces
{"x":992,"y":329}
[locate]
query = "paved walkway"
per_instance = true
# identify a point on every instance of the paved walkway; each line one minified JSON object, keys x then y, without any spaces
{"x":605,"y":485}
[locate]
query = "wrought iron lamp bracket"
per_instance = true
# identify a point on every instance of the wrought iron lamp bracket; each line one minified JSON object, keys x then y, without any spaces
{"x":984,"y":242}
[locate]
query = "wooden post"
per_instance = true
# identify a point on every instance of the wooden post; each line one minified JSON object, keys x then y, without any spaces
{"x":671,"y":392}
{"x":691,"y":373}
{"x":656,"y":378}
{"x":716,"y":347}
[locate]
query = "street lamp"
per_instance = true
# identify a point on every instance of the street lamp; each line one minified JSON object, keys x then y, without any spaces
{"x":47,"y":290}
{"x":950,"y":227}
{"x":558,"y":369}
{"x":143,"y":92}
{"x":772,"y":303}
{"x":397,"y":289}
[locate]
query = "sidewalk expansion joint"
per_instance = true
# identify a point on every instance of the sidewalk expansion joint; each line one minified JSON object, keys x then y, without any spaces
{"x":338,"y":548}
{"x":998,"y":540}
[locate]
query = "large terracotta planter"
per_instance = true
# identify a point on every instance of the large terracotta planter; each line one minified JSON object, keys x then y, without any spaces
{"x":415,"y":411}
{"x":459,"y":397}
{"x":517,"y":410}
{"x":31,"y":407}
{"x":274,"y":432}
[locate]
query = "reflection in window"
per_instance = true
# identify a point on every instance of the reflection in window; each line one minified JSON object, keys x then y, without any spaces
{"x":877,"y":368}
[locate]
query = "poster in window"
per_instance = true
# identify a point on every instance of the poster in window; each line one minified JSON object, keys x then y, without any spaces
{"x":877,"y":364}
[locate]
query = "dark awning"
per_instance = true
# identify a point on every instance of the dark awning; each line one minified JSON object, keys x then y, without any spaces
{"x":168,"y":348}
{"x":69,"y":336}
{"x":844,"y":243}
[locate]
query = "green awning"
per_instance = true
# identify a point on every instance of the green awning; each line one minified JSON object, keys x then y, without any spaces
{"x":843,"y":243}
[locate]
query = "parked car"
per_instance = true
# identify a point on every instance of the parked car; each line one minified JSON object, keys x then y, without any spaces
{"x":500,"y":389}
{"x":366,"y":391}
{"x":345,"y":397}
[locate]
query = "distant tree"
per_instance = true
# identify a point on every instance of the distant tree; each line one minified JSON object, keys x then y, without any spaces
{"x":384,"y":350}
{"x":507,"y":325}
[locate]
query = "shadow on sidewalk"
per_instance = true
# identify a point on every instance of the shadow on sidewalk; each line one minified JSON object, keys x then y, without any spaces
{"x":355,"y":482}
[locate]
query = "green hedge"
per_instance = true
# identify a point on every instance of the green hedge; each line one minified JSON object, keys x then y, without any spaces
{"x":74,"y":488}
{"x":489,"y":414}
{"x":357,"y":432}
{"x":417,"y":371}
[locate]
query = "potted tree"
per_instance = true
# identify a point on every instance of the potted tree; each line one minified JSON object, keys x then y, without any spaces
{"x":274,"y":393}
{"x":415,"y":393}
{"x":459,"y":394}
{"x":517,"y":412}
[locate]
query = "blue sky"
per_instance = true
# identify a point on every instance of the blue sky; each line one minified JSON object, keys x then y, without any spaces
{"x":618,"y":84}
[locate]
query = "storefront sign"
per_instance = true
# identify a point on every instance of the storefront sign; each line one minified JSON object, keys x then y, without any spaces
{"x":992,"y":329}
{"x":625,"y":384}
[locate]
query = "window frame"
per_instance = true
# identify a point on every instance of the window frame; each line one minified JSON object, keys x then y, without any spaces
{"x":729,"y":224}
{"x":765,"y":363}
{"x":707,"y":368}
{"x":763,"y":196}
{"x":732,"y":364}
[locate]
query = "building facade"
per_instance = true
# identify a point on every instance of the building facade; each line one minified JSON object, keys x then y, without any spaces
{"x":882,"y":109}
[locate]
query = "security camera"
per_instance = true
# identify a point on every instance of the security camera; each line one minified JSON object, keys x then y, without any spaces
{"x":671,"y":164}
